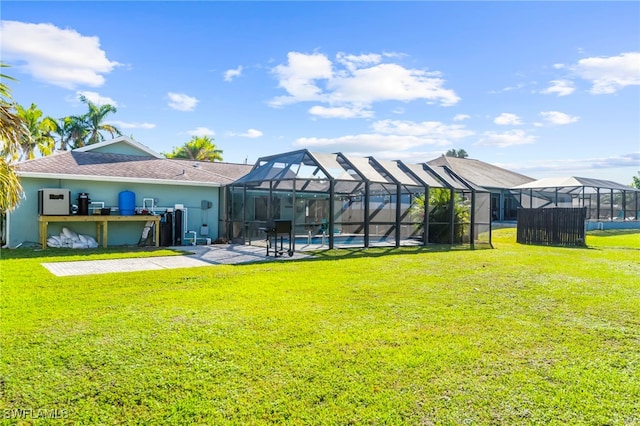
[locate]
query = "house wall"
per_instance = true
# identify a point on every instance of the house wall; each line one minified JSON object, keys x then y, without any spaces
{"x":120,"y":148}
{"x":23,"y":221}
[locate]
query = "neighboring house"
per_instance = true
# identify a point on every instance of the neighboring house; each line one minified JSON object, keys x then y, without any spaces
{"x":498,"y":181}
{"x":105,"y":169}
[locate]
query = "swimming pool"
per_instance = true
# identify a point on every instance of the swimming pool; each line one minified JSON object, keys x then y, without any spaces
{"x":341,"y":240}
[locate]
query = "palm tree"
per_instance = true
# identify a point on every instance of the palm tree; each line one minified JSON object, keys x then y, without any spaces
{"x":12,"y":133}
{"x":439,"y":203}
{"x":40,"y":129}
{"x":201,"y":148}
{"x":94,"y":122}
{"x":71,"y":132}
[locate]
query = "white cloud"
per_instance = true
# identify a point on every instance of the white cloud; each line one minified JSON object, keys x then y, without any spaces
{"x":505,"y":139}
{"x":229,"y":75}
{"x":385,"y":82}
{"x":558,"y":118}
{"x":62,"y":57}
{"x":299,"y":77}
{"x":461,"y":117}
{"x":182,"y":102}
{"x":401,"y":138}
{"x":559,"y":87}
{"x":201,"y":131}
{"x":509,"y":88}
{"x":133,"y":125}
{"x":352,"y":62}
{"x":507,"y":119}
{"x":434,"y":130}
{"x":252,"y":134}
{"x":370,"y":142}
{"x":577,"y":166}
{"x":340,"y":112}
{"x":610,"y":74}
{"x":356,"y":80}
{"x":96,"y":98}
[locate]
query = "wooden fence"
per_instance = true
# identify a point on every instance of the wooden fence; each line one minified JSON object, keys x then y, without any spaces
{"x":552,"y":226}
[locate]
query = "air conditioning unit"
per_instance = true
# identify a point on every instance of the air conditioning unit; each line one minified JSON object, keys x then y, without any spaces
{"x":54,"y":202}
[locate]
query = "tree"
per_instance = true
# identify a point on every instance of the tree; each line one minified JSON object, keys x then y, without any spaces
{"x":200,"y":148}
{"x":71,"y":132}
{"x":40,"y":129}
{"x":94,"y":123}
{"x":461,"y":153}
{"x":636,"y":181}
{"x":12,"y":133}
{"x":440,"y":215}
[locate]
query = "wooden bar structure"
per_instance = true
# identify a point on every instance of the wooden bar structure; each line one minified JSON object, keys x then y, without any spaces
{"x":552,"y":226}
{"x":102,"y":225}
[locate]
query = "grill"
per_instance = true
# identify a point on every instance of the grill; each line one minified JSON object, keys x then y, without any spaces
{"x":278,"y":229}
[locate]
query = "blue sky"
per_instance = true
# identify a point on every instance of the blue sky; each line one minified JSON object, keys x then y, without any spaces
{"x":542,"y":88}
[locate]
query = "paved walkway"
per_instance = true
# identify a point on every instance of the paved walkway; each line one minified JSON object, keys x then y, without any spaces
{"x":204,"y":256}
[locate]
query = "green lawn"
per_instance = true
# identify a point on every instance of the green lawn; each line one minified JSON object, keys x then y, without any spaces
{"x":515,"y":335}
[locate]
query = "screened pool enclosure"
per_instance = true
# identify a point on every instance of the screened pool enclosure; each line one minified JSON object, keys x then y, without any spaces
{"x":336,"y":200}
{"x":603,"y":200}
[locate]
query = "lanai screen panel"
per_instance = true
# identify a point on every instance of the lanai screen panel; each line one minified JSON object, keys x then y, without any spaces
{"x":337,"y":197}
{"x":378,"y":205}
{"x":409,"y":216}
{"x":604,"y":200}
{"x":471,"y":210}
{"x":482,"y":219}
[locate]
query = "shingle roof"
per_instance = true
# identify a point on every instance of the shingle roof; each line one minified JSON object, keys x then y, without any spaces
{"x":480,"y":173}
{"x":109,"y":165}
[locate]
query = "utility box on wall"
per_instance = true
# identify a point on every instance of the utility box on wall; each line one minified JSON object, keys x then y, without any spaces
{"x":54,"y":202}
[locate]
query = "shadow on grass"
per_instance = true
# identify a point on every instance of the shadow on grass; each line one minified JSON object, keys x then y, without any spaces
{"x":614,"y":232}
{"x":120,"y":252}
{"x":372,"y":252}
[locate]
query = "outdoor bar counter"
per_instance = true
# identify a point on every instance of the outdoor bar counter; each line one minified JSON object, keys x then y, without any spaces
{"x":102,"y":228}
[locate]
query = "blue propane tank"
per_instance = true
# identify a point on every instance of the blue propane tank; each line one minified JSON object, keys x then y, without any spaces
{"x":127,"y":203}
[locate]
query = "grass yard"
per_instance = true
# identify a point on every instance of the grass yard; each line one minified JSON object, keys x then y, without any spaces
{"x":515,"y":335}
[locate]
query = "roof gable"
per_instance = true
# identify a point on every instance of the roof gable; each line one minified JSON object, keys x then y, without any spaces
{"x":121,"y":145}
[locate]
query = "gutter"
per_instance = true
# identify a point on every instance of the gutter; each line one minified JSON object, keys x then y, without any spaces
{"x":119,"y":179}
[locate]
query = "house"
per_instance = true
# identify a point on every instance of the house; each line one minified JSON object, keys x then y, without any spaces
{"x":103,"y":170}
{"x":496,"y":180}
